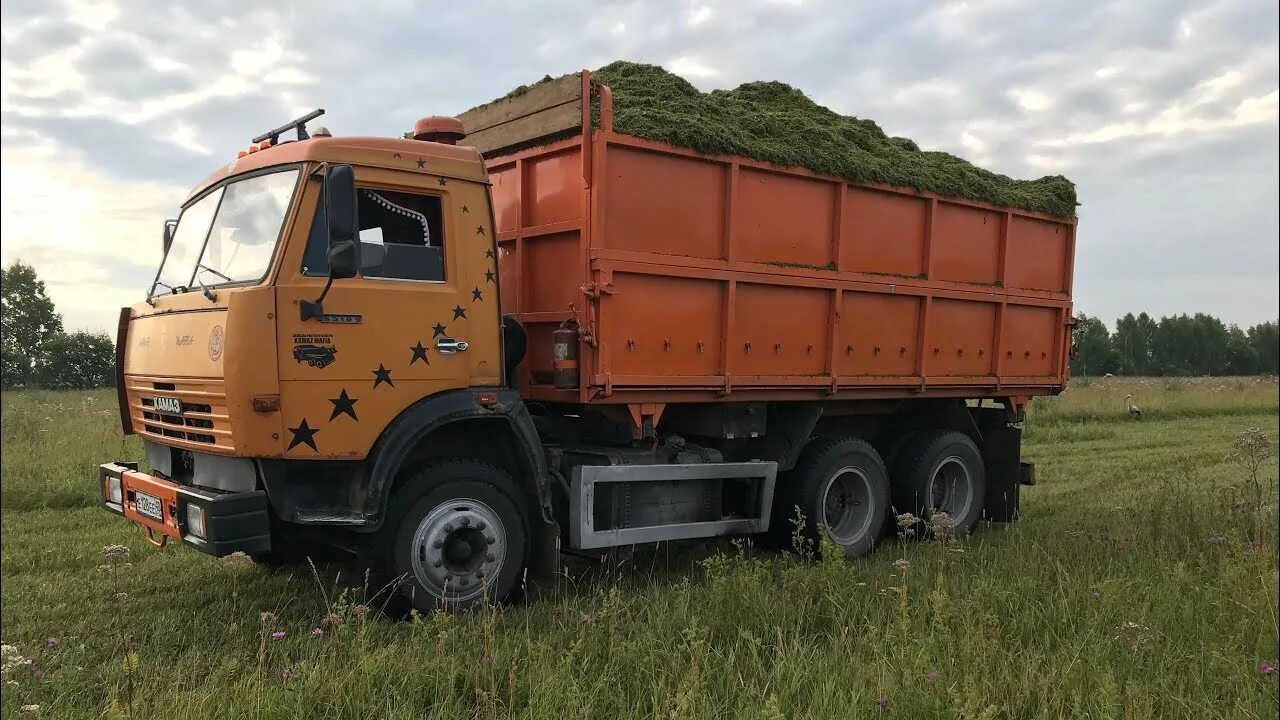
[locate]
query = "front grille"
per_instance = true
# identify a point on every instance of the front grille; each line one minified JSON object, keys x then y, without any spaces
{"x":203,"y":423}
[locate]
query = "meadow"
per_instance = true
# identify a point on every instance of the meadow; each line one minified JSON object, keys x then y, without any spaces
{"x":1141,"y":582}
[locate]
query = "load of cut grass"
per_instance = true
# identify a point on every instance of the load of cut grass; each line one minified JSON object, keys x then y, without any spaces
{"x":777,"y":123}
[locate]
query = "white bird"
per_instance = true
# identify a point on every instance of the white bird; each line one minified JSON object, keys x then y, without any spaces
{"x":1134,"y":411}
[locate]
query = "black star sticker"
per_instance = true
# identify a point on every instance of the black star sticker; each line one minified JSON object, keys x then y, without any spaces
{"x":488,"y":276}
{"x":382,"y":375}
{"x":476,"y":295}
{"x":442,"y":182}
{"x":419,"y":353}
{"x":464,"y":209}
{"x":396,"y":156}
{"x":458,"y":312}
{"x":302,"y":435}
{"x":344,"y":405}
{"x":421,"y":162}
{"x":437,"y":330}
{"x":489,"y":254}
{"x":479,"y":229}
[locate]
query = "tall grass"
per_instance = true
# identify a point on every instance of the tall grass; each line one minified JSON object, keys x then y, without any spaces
{"x":1141,"y":583}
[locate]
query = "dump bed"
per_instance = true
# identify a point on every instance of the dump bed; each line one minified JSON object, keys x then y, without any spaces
{"x":696,"y":278}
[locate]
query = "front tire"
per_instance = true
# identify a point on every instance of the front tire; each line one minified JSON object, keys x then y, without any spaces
{"x":456,"y":536}
{"x":842,"y":488}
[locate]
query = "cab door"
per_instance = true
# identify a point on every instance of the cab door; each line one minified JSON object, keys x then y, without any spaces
{"x":403,"y":329}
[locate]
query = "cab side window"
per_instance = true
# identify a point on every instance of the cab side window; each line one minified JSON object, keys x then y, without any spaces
{"x":401,"y":237}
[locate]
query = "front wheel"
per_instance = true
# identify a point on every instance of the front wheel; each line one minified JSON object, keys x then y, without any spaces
{"x":456,"y":536}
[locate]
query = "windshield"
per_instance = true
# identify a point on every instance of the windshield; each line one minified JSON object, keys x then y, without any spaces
{"x":232,"y":230}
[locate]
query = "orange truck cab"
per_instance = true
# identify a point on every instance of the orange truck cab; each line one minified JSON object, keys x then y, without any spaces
{"x":455,"y":352}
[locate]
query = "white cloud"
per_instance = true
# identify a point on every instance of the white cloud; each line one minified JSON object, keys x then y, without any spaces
{"x":1032,"y":100}
{"x":700,"y":14}
{"x":691,"y":67}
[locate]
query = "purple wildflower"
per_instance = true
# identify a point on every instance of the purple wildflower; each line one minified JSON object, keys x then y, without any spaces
{"x":1266,"y":669}
{"x":53,"y":641}
{"x":37,"y":673}
{"x":931,"y":676}
{"x":882,"y":702}
{"x":487,"y":659}
{"x":1094,"y":591}
{"x":277,"y":635}
{"x":286,"y":674}
{"x":1217,"y":539}
{"x":316,"y":632}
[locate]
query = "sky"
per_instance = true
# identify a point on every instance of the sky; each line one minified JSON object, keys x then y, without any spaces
{"x":1163,"y":113}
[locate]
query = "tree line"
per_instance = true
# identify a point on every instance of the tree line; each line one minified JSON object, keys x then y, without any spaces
{"x":1197,"y":344}
{"x":35,"y":350}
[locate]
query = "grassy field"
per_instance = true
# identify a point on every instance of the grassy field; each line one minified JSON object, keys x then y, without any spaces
{"x":1140,"y":583}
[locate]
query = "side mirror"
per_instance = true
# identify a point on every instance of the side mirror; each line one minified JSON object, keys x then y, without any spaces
{"x":340,"y":207}
{"x":169,"y":226}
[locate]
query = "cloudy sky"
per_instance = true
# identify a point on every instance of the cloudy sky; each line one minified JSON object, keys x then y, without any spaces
{"x":1163,"y":113}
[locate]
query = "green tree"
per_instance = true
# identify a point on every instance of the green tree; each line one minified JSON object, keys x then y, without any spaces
{"x":28,"y":321}
{"x":1242,"y":357}
{"x":1265,"y":339}
{"x":1094,"y":354}
{"x":1132,"y":342}
{"x":77,"y":361}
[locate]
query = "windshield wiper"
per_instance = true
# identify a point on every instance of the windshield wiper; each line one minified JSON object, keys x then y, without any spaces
{"x":202,"y":266}
{"x":205,"y":289}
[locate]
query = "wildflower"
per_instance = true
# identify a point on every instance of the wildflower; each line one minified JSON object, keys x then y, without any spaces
{"x":121,"y":596}
{"x":931,"y":676}
{"x":332,"y":620}
{"x":266,"y":618}
{"x":907,"y":523}
{"x":901,"y":564}
{"x":1217,"y":539}
{"x":277,"y":635}
{"x":53,"y":642}
{"x":1239,"y":505}
{"x":37,"y":673}
{"x":941,"y":527}
{"x":31,"y":708}
{"x":11,"y":659}
{"x":286,"y":673}
{"x":237,"y":559}
{"x":316,"y":632}
{"x":360,"y":610}
{"x":882,"y":702}
{"x":1094,"y":591}
{"x":115,"y":552}
{"x":487,"y":659}
{"x":1266,"y":669}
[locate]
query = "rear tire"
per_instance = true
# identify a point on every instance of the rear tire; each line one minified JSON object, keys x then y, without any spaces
{"x":841,"y":486}
{"x":456,"y":536}
{"x":941,"y":472}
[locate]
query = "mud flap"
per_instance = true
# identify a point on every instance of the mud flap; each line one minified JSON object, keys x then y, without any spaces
{"x":1001,"y":453}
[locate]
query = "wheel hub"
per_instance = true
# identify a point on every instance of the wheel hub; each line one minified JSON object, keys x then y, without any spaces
{"x":950,"y":488}
{"x":847,"y":506}
{"x":458,"y":548}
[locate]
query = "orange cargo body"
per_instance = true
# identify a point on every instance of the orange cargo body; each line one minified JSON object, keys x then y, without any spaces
{"x":696,"y":278}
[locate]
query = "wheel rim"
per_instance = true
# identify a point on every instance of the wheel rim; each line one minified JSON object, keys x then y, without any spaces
{"x":458,"y":549}
{"x":847,"y":509}
{"x":951,"y":488}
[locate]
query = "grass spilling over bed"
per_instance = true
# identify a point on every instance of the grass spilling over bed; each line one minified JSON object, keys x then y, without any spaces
{"x":777,"y":123}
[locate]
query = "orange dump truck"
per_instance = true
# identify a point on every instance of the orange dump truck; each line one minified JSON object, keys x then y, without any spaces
{"x":457,"y":352}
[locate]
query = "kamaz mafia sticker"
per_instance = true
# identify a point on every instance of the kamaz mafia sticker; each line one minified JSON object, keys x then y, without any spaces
{"x":314,"y":350}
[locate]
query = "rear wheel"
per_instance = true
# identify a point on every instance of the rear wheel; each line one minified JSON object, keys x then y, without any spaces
{"x":456,"y":536}
{"x":941,"y":472}
{"x":842,"y":489}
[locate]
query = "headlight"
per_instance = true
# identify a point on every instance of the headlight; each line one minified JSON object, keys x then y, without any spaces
{"x":114,"y":493}
{"x":195,"y":520}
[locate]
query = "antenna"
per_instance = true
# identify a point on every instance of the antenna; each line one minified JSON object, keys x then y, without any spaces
{"x":299,"y":124}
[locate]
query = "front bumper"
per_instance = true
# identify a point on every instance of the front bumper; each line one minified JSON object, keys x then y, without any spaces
{"x":232,"y":521}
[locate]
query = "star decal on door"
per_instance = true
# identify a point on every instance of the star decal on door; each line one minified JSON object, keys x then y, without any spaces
{"x":480,"y":230}
{"x":382,"y":375}
{"x":419,"y":353}
{"x":442,"y":182}
{"x":303,"y":435}
{"x":421,"y":162}
{"x":344,"y":405}
{"x":489,"y":254}
{"x":465,"y":209}
{"x":437,"y":330}
{"x":458,"y":312}
{"x":488,"y":276}
{"x":476,"y":295}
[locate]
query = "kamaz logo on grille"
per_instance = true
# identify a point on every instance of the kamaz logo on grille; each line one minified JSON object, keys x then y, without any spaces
{"x":170,"y":405}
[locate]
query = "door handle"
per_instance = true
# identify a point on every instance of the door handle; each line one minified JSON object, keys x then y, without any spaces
{"x":449,"y":346}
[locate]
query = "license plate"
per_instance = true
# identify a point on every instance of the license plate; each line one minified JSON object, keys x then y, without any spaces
{"x":149,"y":505}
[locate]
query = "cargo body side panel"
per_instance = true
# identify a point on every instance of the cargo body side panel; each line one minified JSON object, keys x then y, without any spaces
{"x":698,"y":278}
